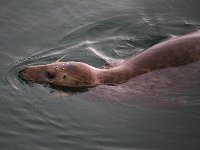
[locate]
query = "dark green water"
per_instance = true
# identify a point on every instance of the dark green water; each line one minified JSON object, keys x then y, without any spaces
{"x":42,"y":31}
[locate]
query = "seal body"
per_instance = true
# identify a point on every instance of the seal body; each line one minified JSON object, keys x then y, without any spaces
{"x":170,"y":53}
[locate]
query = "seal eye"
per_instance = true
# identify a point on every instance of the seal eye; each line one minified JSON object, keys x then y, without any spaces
{"x":50,"y":75}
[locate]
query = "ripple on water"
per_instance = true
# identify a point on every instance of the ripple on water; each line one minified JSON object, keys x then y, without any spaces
{"x":76,"y":45}
{"x":36,"y":114}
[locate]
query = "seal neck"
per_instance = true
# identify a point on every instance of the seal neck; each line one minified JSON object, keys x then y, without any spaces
{"x":113,"y":76}
{"x":126,"y":70}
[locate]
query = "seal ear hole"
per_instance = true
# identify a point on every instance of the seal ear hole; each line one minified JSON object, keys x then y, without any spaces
{"x":64,"y":77}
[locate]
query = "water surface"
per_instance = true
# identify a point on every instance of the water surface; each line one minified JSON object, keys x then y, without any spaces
{"x":159,"y":110}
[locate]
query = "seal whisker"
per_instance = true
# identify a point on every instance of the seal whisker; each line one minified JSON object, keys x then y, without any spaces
{"x":61,"y":58}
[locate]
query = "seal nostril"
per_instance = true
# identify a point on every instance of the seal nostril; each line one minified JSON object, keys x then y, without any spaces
{"x":21,"y":72}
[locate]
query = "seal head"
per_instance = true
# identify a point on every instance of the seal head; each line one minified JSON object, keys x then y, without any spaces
{"x":71,"y":74}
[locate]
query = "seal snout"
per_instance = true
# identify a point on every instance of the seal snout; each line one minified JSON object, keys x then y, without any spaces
{"x":22,"y":72}
{"x":29,"y":74}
